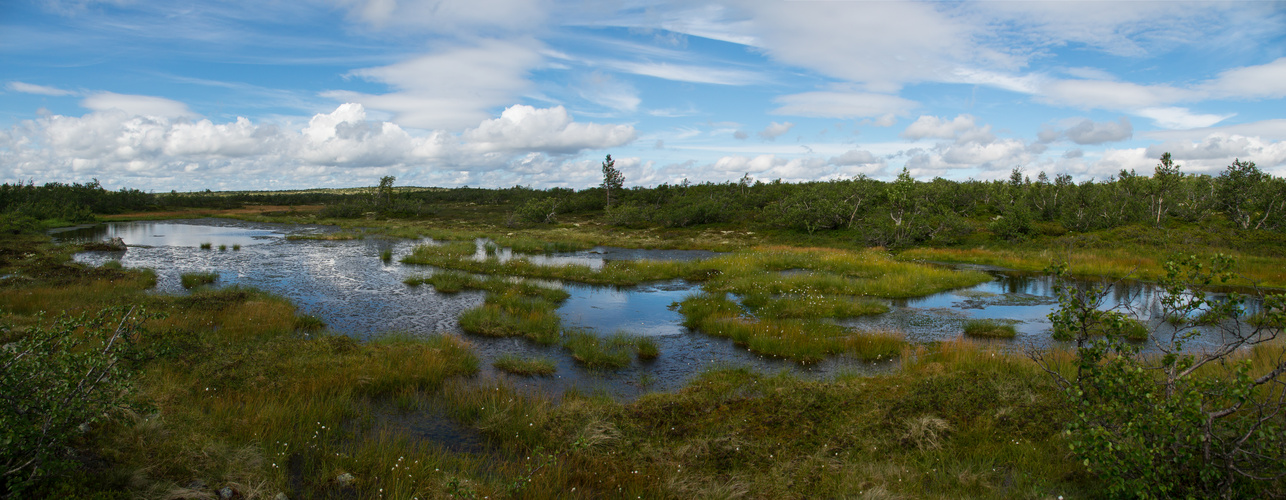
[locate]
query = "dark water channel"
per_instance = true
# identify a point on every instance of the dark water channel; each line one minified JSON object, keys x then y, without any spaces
{"x":356,"y":293}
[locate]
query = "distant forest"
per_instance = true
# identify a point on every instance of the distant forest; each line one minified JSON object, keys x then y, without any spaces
{"x":899,"y":213}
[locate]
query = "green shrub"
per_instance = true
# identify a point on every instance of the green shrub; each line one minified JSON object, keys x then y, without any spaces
{"x":1184,"y":423}
{"x":57,"y":381}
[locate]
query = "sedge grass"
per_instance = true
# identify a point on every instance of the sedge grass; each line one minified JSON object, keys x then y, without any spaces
{"x":513,"y":315}
{"x":196,"y":279}
{"x":593,"y":351}
{"x":527,"y":367}
{"x":989,"y":328}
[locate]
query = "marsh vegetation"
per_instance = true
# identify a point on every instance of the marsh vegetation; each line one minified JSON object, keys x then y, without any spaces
{"x":1069,"y":391}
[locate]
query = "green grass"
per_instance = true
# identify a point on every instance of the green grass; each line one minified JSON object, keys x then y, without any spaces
{"x":455,"y":282}
{"x":527,"y":367}
{"x":236,"y":247}
{"x":513,"y":315}
{"x":593,"y":351}
{"x":805,"y":341}
{"x":386,"y":255}
{"x":193,"y":280}
{"x":207,"y":246}
{"x":309,"y":323}
{"x":223,"y":248}
{"x":989,"y":328}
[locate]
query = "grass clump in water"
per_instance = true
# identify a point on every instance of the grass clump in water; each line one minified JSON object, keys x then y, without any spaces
{"x":207,"y":246}
{"x":223,"y":248}
{"x":806,"y":341}
{"x":193,"y":280}
{"x":309,"y":323}
{"x":456,"y":281}
{"x":527,"y":367}
{"x":593,"y":351}
{"x":991,"y":328}
{"x":236,"y":247}
{"x":511,"y":314}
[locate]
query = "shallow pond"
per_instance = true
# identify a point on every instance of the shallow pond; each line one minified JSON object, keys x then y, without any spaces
{"x":356,"y":293}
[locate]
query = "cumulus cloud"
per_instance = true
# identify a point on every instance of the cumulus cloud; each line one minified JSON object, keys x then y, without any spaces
{"x":450,"y":88}
{"x":141,"y":105}
{"x":962,"y":129}
{"x":843,"y":105}
{"x":549,"y":130}
{"x":854,"y":157}
{"x":1092,"y":132}
{"x":775,"y":130}
{"x":29,"y":88}
{"x":335,"y":148}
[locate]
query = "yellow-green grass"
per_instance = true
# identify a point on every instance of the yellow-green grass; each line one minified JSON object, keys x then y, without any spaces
{"x":231,"y":396}
{"x":614,"y":351}
{"x":527,"y":367}
{"x":805,"y":341}
{"x":815,"y":306}
{"x":195,"y":279}
{"x":511,"y":314}
{"x":989,"y":328}
{"x":456,"y":281}
{"x":1140,"y":264}
{"x":966,"y":423}
{"x":751,"y":272}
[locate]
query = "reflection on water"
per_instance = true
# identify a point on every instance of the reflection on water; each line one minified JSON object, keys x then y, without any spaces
{"x":356,"y":293}
{"x":171,"y":233}
{"x":594,"y":257}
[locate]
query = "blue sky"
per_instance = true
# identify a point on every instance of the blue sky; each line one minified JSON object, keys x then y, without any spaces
{"x":276,"y":94}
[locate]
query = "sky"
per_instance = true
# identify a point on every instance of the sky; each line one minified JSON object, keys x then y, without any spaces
{"x":287,"y":94}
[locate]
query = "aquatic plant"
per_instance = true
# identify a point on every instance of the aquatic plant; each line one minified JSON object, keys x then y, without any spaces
{"x":527,"y":367}
{"x":223,"y":248}
{"x":594,"y":351}
{"x":207,"y":246}
{"x":989,"y":328}
{"x":195,"y":279}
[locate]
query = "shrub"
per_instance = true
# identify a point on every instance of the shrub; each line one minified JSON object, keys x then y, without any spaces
{"x":1178,"y":423}
{"x":57,"y":381}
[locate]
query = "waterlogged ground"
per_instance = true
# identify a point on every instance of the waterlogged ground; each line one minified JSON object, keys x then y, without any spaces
{"x":357,"y":292}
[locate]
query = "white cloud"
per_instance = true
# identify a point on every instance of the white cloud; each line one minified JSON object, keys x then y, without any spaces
{"x":855,"y":157}
{"x":451,"y":88}
{"x":1267,"y":81}
{"x":1100,"y":94}
{"x":29,"y":88}
{"x":843,"y":105}
{"x":336,"y":148}
{"x":1092,"y":132}
{"x":962,"y":129}
{"x":603,"y":90}
{"x":775,"y":130}
{"x":551,"y":130}
{"x":141,"y":105}
{"x":1267,"y":129}
{"x":687,"y":73}
{"x":465,"y":17}
{"x":1180,"y":118}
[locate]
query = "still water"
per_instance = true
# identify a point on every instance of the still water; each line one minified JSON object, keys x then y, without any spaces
{"x":356,"y":293}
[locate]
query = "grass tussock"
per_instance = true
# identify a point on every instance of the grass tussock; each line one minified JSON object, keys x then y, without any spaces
{"x":800,"y":340}
{"x":193,"y":280}
{"x":614,"y":351}
{"x":527,"y":367}
{"x":512,"y":314}
{"x":455,"y":282}
{"x":990,"y":328}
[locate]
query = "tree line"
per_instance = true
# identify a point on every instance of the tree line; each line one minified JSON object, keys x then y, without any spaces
{"x":901,"y":212}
